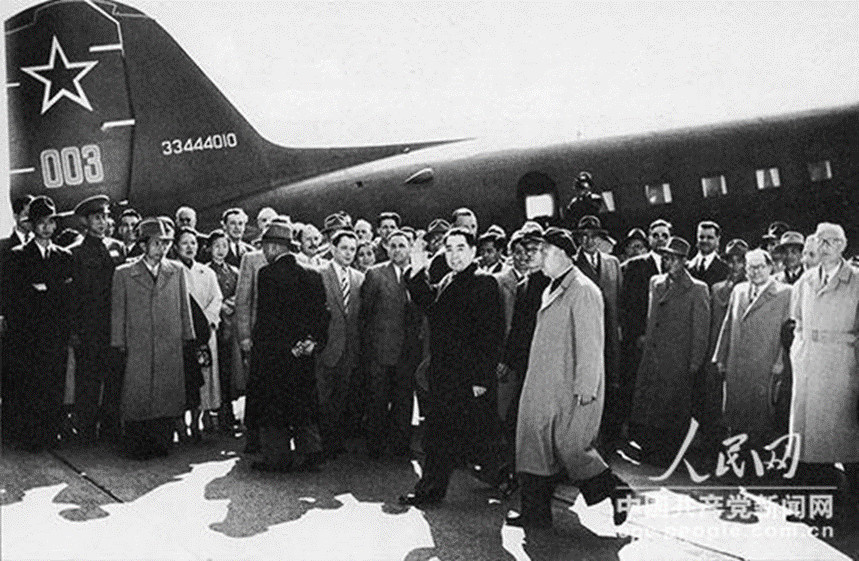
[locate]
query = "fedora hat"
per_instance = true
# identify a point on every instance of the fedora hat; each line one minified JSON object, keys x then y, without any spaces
{"x":438,"y":226}
{"x":279,"y":231}
{"x":154,"y":228}
{"x":676,"y":246}
{"x":736,"y":247}
{"x":590,"y":223}
{"x":791,"y":238}
{"x":41,"y":207}
{"x":335,"y":222}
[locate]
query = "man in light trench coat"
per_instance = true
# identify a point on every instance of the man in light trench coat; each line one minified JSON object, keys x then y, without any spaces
{"x":562,"y":397}
{"x":823,"y":414}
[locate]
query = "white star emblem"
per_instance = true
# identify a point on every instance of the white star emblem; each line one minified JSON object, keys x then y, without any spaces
{"x":44,"y":74}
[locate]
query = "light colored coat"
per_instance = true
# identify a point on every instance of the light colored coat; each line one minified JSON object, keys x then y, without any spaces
{"x":343,"y":327}
{"x":676,"y":341}
{"x":507,"y":281}
{"x":246,"y":293}
{"x":749,"y":347}
{"x":151,"y":319}
{"x":553,"y":431}
{"x":203,"y":286}
{"x":825,"y":376}
{"x":609,"y":280}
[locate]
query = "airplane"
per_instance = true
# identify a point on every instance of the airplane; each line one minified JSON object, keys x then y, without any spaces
{"x":102,"y":100}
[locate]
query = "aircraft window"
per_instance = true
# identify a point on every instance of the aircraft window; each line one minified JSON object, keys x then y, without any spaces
{"x":539,"y":205}
{"x":608,"y":197}
{"x":820,"y":171}
{"x":658,"y":194}
{"x":768,"y":178}
{"x":715,"y":186}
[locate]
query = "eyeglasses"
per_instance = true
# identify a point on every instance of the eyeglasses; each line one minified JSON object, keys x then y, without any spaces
{"x":757,"y":267}
{"x":830,"y":242}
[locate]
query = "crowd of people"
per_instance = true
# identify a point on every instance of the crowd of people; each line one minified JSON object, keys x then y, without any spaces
{"x":531,"y":357}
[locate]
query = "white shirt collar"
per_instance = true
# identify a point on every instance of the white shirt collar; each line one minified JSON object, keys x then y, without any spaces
{"x":23,"y":237}
{"x":658,"y":258}
{"x":707,"y":260}
{"x":153,"y":268}
{"x":42,"y":249}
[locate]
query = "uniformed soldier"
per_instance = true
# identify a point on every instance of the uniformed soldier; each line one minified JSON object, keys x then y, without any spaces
{"x":93,"y":268}
{"x":586,"y":202}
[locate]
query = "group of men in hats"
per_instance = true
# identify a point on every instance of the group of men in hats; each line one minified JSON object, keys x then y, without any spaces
{"x":477,"y":325}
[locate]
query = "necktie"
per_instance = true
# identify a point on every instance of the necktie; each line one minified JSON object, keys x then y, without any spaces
{"x":344,"y":286}
{"x":754,"y":293}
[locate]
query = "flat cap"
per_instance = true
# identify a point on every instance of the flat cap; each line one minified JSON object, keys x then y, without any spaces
{"x":560,"y":238}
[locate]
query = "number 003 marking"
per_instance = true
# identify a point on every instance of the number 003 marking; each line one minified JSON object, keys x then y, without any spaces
{"x":71,"y":166}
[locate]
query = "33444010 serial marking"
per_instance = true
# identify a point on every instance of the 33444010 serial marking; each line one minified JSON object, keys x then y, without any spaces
{"x":218,"y":141}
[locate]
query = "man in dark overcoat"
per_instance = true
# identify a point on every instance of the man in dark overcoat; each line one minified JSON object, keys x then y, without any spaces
{"x":39,"y":281}
{"x":632,"y":309}
{"x":290,"y":330}
{"x":466,"y":320}
{"x":21,"y":234}
{"x":91,"y":294}
{"x":675,"y":346}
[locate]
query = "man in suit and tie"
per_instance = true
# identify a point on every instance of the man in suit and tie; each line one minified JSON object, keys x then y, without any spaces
{"x":127,"y":229}
{"x":20,"y":235}
{"x":38,"y":280}
{"x":490,"y":247}
{"x":791,"y":244}
{"x":234,"y":221}
{"x":632,"y":308}
{"x":390,"y":329}
{"x":340,"y":355}
{"x":707,"y":266}
{"x":604,"y":271}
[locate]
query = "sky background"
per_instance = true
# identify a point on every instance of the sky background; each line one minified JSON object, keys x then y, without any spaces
{"x":334,"y":74}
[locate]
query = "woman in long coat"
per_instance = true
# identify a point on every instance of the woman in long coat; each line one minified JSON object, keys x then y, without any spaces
{"x":150,"y":321}
{"x":204,"y":289}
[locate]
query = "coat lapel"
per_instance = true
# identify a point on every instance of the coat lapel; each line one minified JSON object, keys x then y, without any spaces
{"x":334,"y":283}
{"x":762,"y":298}
{"x":584,"y":264}
{"x":843,"y":276}
{"x":677,"y":287}
{"x":549,"y":297}
{"x":164,"y":273}
{"x":141,"y":274}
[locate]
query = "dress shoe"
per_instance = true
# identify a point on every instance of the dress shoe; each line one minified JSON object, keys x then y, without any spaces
{"x":509,"y":484}
{"x":418,"y":499}
{"x":518,"y":520}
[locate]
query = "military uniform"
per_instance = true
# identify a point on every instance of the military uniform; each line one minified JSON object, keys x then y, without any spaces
{"x":93,"y":268}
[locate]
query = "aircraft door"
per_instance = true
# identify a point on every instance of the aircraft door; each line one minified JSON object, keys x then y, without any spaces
{"x":70,"y":121}
{"x":537,"y":194}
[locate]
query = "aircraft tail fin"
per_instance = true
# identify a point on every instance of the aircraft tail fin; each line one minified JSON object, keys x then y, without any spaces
{"x":102,"y":99}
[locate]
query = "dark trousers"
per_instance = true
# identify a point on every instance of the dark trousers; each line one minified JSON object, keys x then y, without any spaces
{"x":389,"y":407}
{"x":275,"y":443}
{"x":537,"y":492}
{"x":460,"y":431}
{"x":630,"y":358}
{"x":332,"y":383}
{"x":96,"y":393}
{"x":148,"y":438}
{"x":39,"y":388}
{"x":225,"y":369}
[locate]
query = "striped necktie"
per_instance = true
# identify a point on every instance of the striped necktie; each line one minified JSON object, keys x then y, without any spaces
{"x":344,"y":287}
